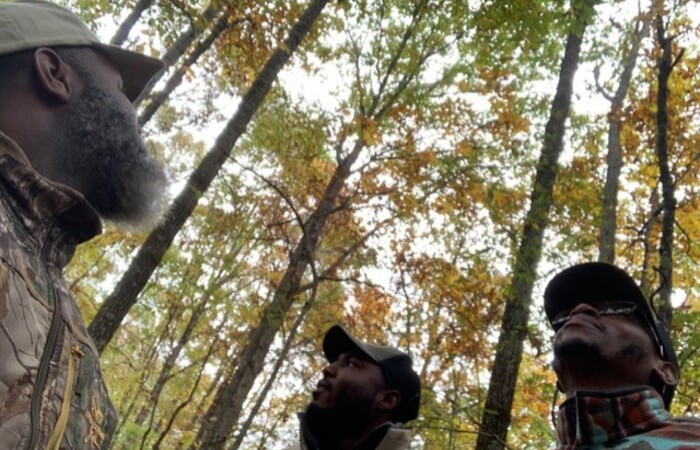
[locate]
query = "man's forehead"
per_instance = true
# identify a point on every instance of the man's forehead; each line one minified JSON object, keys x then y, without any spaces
{"x":353,"y":353}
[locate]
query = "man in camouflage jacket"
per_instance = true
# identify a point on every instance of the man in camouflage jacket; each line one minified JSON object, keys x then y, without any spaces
{"x":70,"y":153}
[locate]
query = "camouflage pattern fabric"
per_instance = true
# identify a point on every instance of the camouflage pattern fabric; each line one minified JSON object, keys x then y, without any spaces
{"x":52,"y":395}
{"x":631,"y":419}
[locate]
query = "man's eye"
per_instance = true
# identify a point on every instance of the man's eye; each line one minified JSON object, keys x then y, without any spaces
{"x":561,"y":318}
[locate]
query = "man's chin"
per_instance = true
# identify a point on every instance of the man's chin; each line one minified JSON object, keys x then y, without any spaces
{"x":579,"y":350}
{"x":140,"y":221}
{"x":318,"y":402}
{"x":316,"y":414}
{"x":139,"y":209}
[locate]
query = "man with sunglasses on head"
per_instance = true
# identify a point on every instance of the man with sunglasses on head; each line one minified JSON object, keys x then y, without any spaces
{"x":367,"y":392}
{"x":615,"y":362}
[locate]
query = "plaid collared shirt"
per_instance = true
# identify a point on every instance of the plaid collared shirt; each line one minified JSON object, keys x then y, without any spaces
{"x":632,"y":419}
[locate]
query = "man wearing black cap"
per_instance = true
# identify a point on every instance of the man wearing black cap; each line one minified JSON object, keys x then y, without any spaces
{"x":367,"y":392}
{"x":615,"y":362}
{"x":70,"y":154}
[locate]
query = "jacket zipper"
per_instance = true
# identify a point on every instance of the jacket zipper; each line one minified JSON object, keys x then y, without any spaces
{"x":49,"y":348}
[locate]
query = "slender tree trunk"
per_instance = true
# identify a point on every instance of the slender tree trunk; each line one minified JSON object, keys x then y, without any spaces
{"x":226,"y":407}
{"x":166,"y":371}
{"x":148,"y":361}
{"x":188,"y":400}
{"x":497,"y":410}
{"x":169,"y":363}
{"x":224,"y":371}
{"x":125,"y":28}
{"x":646,"y":234}
{"x":608,"y":223}
{"x":159,"y":98}
{"x":180,"y":46}
{"x":117,"y":305}
{"x":243,"y":431}
{"x":668,"y":200}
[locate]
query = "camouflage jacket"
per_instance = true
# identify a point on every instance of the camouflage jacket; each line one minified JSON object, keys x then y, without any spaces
{"x":52,"y":395}
{"x":630,"y":419}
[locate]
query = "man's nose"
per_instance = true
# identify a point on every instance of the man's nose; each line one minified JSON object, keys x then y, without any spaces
{"x":330,"y":370}
{"x":584,"y":308}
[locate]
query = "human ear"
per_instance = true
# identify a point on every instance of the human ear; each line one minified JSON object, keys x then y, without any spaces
{"x":388,"y":399}
{"x":55,"y":77}
{"x":667,"y":373}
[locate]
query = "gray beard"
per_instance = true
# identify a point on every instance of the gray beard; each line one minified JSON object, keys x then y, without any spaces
{"x":106,"y":159}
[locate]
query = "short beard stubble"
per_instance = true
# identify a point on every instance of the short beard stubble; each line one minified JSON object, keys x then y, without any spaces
{"x":351,"y":414}
{"x":590,"y":355}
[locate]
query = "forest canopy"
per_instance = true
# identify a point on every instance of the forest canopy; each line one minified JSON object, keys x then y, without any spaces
{"x":414,"y":170}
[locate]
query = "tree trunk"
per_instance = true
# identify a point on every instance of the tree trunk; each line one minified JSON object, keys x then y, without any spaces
{"x":169,"y":363}
{"x":148,"y":362}
{"x":243,"y":431}
{"x":224,"y":371}
{"x":125,"y":28}
{"x":117,"y":305}
{"x":497,"y":410}
{"x":608,"y":223}
{"x":179,"y":47}
{"x":668,"y":200}
{"x":226,"y":407}
{"x":647,"y":232}
{"x":188,"y":400}
{"x":158,"y":99}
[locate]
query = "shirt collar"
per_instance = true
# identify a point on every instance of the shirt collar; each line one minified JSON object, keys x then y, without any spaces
{"x":595,"y":418}
{"x":57,"y":216}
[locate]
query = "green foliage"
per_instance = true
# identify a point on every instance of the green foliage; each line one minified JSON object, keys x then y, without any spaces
{"x":448,"y":100}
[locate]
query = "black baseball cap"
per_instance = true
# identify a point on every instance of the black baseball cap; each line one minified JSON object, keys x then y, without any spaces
{"x":595,"y":282}
{"x":396,"y":366}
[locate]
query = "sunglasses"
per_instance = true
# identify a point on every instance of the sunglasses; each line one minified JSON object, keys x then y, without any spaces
{"x":616,"y":308}
{"x":613,"y":308}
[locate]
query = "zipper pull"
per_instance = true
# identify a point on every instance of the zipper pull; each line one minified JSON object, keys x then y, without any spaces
{"x":75,"y":351}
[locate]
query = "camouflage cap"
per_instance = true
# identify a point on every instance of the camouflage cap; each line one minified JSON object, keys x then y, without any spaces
{"x":28,"y":24}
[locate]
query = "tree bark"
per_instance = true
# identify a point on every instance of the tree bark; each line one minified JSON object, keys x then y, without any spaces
{"x":174,"y":81}
{"x":668,"y":200}
{"x":497,"y":410}
{"x":646,"y":233}
{"x":608,"y":222}
{"x":190,"y":396}
{"x":224,"y":371}
{"x":243,"y":431}
{"x":179,"y":47}
{"x":117,"y":305}
{"x":226,"y":407}
{"x":169,"y":363}
{"x":125,"y":28}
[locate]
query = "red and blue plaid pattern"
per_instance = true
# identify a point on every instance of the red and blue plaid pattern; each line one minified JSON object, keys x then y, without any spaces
{"x":634,"y":418}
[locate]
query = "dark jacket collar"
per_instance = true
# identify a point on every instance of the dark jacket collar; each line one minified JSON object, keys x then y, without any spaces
{"x":371,"y":442}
